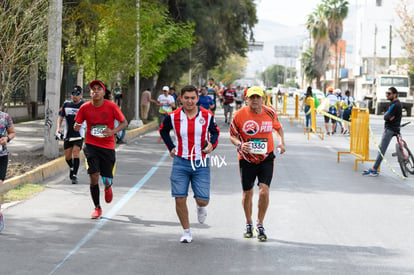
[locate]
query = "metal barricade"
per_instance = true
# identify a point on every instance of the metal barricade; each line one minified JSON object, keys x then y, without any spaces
{"x":359,"y":137}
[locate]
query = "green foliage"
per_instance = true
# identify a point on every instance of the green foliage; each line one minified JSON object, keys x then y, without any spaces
{"x":308,"y":66}
{"x":275,"y":75}
{"x":106,"y":40}
{"x":222,"y":28}
{"x":229,"y":70}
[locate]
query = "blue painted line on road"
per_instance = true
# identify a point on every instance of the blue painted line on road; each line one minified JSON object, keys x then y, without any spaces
{"x":113,"y":211}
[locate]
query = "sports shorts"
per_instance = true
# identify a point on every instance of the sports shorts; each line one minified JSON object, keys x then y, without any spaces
{"x":69,"y":144}
{"x":263,"y":171}
{"x":4,"y":161}
{"x":100,"y":160}
{"x":196,"y":172}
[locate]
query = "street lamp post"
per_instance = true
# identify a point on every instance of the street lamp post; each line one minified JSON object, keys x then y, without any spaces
{"x":137,"y":122}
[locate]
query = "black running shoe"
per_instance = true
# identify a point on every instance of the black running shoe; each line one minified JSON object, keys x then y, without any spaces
{"x":249,"y":231}
{"x":261,"y":236}
{"x":71,"y":173}
{"x":74,"y":179}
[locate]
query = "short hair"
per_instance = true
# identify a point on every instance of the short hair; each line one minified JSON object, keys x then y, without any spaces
{"x":393,"y":90}
{"x":347,"y":92}
{"x":211,"y":78}
{"x":189,"y":88}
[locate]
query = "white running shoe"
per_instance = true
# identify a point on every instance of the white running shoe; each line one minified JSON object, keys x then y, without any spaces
{"x":201,"y":214}
{"x":187,"y":237}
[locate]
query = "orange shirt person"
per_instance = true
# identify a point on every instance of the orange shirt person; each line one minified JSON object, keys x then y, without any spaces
{"x":252,"y":132}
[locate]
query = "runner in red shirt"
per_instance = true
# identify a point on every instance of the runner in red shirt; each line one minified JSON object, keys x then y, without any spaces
{"x":252,"y":132}
{"x":100,"y":115}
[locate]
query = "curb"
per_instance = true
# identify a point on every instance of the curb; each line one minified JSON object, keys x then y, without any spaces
{"x":59,"y":165}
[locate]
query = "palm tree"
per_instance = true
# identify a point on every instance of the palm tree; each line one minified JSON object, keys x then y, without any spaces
{"x":308,"y":65}
{"x":335,"y":11}
{"x":317,"y":26}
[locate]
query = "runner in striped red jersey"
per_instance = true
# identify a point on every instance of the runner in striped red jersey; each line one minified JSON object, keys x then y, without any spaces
{"x":252,"y":132}
{"x":197,"y":135}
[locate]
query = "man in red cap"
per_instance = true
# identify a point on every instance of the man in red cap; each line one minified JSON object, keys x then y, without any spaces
{"x":100,"y":115}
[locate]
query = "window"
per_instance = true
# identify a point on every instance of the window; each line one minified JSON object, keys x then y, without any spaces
{"x":379,"y":3}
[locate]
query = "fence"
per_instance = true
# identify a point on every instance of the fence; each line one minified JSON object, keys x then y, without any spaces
{"x":359,"y":138}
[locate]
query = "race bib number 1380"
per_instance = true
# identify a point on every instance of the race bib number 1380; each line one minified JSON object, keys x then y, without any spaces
{"x":258,"y":146}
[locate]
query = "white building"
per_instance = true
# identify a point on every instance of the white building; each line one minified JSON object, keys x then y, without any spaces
{"x":376,"y":44}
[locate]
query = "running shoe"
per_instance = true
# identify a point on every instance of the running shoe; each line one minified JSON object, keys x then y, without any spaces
{"x":370,"y":172}
{"x":108,"y":194}
{"x":261,"y":236}
{"x":74,"y":179}
{"x":249,"y":231}
{"x":1,"y":222}
{"x":201,"y":214}
{"x":187,"y":237}
{"x":97,"y":213}
{"x":71,"y":173}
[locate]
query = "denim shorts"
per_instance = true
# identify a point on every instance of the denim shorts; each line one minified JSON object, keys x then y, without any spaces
{"x":185,"y":171}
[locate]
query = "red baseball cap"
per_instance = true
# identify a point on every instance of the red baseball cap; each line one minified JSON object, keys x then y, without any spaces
{"x":97,"y":82}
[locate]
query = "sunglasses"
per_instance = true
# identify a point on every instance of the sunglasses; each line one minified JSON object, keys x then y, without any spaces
{"x":388,"y":93}
{"x":76,"y":93}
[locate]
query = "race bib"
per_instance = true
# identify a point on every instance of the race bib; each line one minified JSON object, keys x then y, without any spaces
{"x":258,"y":146}
{"x":97,"y":130}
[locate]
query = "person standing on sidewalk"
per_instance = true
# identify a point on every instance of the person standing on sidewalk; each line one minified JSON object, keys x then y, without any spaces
{"x":197,"y":135}
{"x":100,"y":115}
{"x":392,"y":127}
{"x":229,"y":96}
{"x":73,"y":140}
{"x":7,"y":133}
{"x":252,"y":132}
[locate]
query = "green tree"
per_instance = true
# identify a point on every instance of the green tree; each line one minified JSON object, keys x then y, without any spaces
{"x":274,"y":75}
{"x":106,"y":41}
{"x":308,"y":66}
{"x":23,"y":42}
{"x":335,"y":11}
{"x":317,"y":26}
{"x":230,"y":70}
{"x":222,"y":28}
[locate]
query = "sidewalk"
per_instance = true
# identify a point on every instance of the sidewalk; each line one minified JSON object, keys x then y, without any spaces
{"x":30,"y":137}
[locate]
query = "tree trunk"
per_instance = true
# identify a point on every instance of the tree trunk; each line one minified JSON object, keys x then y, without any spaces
{"x":336,"y":66}
{"x":128,"y":99}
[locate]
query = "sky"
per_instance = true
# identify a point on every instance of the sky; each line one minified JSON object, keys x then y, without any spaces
{"x":287,"y":12}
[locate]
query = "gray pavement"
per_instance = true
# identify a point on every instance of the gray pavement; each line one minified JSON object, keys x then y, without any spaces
{"x":323,"y":217}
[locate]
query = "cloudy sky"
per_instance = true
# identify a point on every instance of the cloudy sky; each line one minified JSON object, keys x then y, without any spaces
{"x":290,"y":12}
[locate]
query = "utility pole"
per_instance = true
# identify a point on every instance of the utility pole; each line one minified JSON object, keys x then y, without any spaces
{"x":375,"y":53}
{"x":54,"y":51}
{"x":136,"y":122}
{"x":389,"y":48}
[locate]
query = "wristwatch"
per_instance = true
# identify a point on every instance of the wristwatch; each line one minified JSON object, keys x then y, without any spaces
{"x":8,"y":139}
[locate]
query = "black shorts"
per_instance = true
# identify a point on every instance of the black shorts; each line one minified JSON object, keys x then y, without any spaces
{"x":333,"y":121}
{"x":100,"y":160}
{"x":4,"y":161}
{"x":239,"y":102}
{"x":69,"y":144}
{"x":263,"y":171}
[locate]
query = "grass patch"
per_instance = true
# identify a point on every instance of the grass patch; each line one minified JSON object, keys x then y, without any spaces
{"x":22,"y":192}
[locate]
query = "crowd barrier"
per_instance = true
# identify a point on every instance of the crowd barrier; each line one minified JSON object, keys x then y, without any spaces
{"x":359,"y":137}
{"x":314,"y":129}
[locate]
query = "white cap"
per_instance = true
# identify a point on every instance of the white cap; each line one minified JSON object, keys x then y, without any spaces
{"x":165,"y":88}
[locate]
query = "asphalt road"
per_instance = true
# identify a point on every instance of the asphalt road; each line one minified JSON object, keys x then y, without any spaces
{"x":323,"y":218}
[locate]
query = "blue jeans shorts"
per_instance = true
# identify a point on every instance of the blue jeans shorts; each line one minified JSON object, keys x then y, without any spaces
{"x":185,"y":171}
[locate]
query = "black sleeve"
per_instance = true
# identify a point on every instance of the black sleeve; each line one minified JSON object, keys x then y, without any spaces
{"x":164,"y":130}
{"x":214,"y":132}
